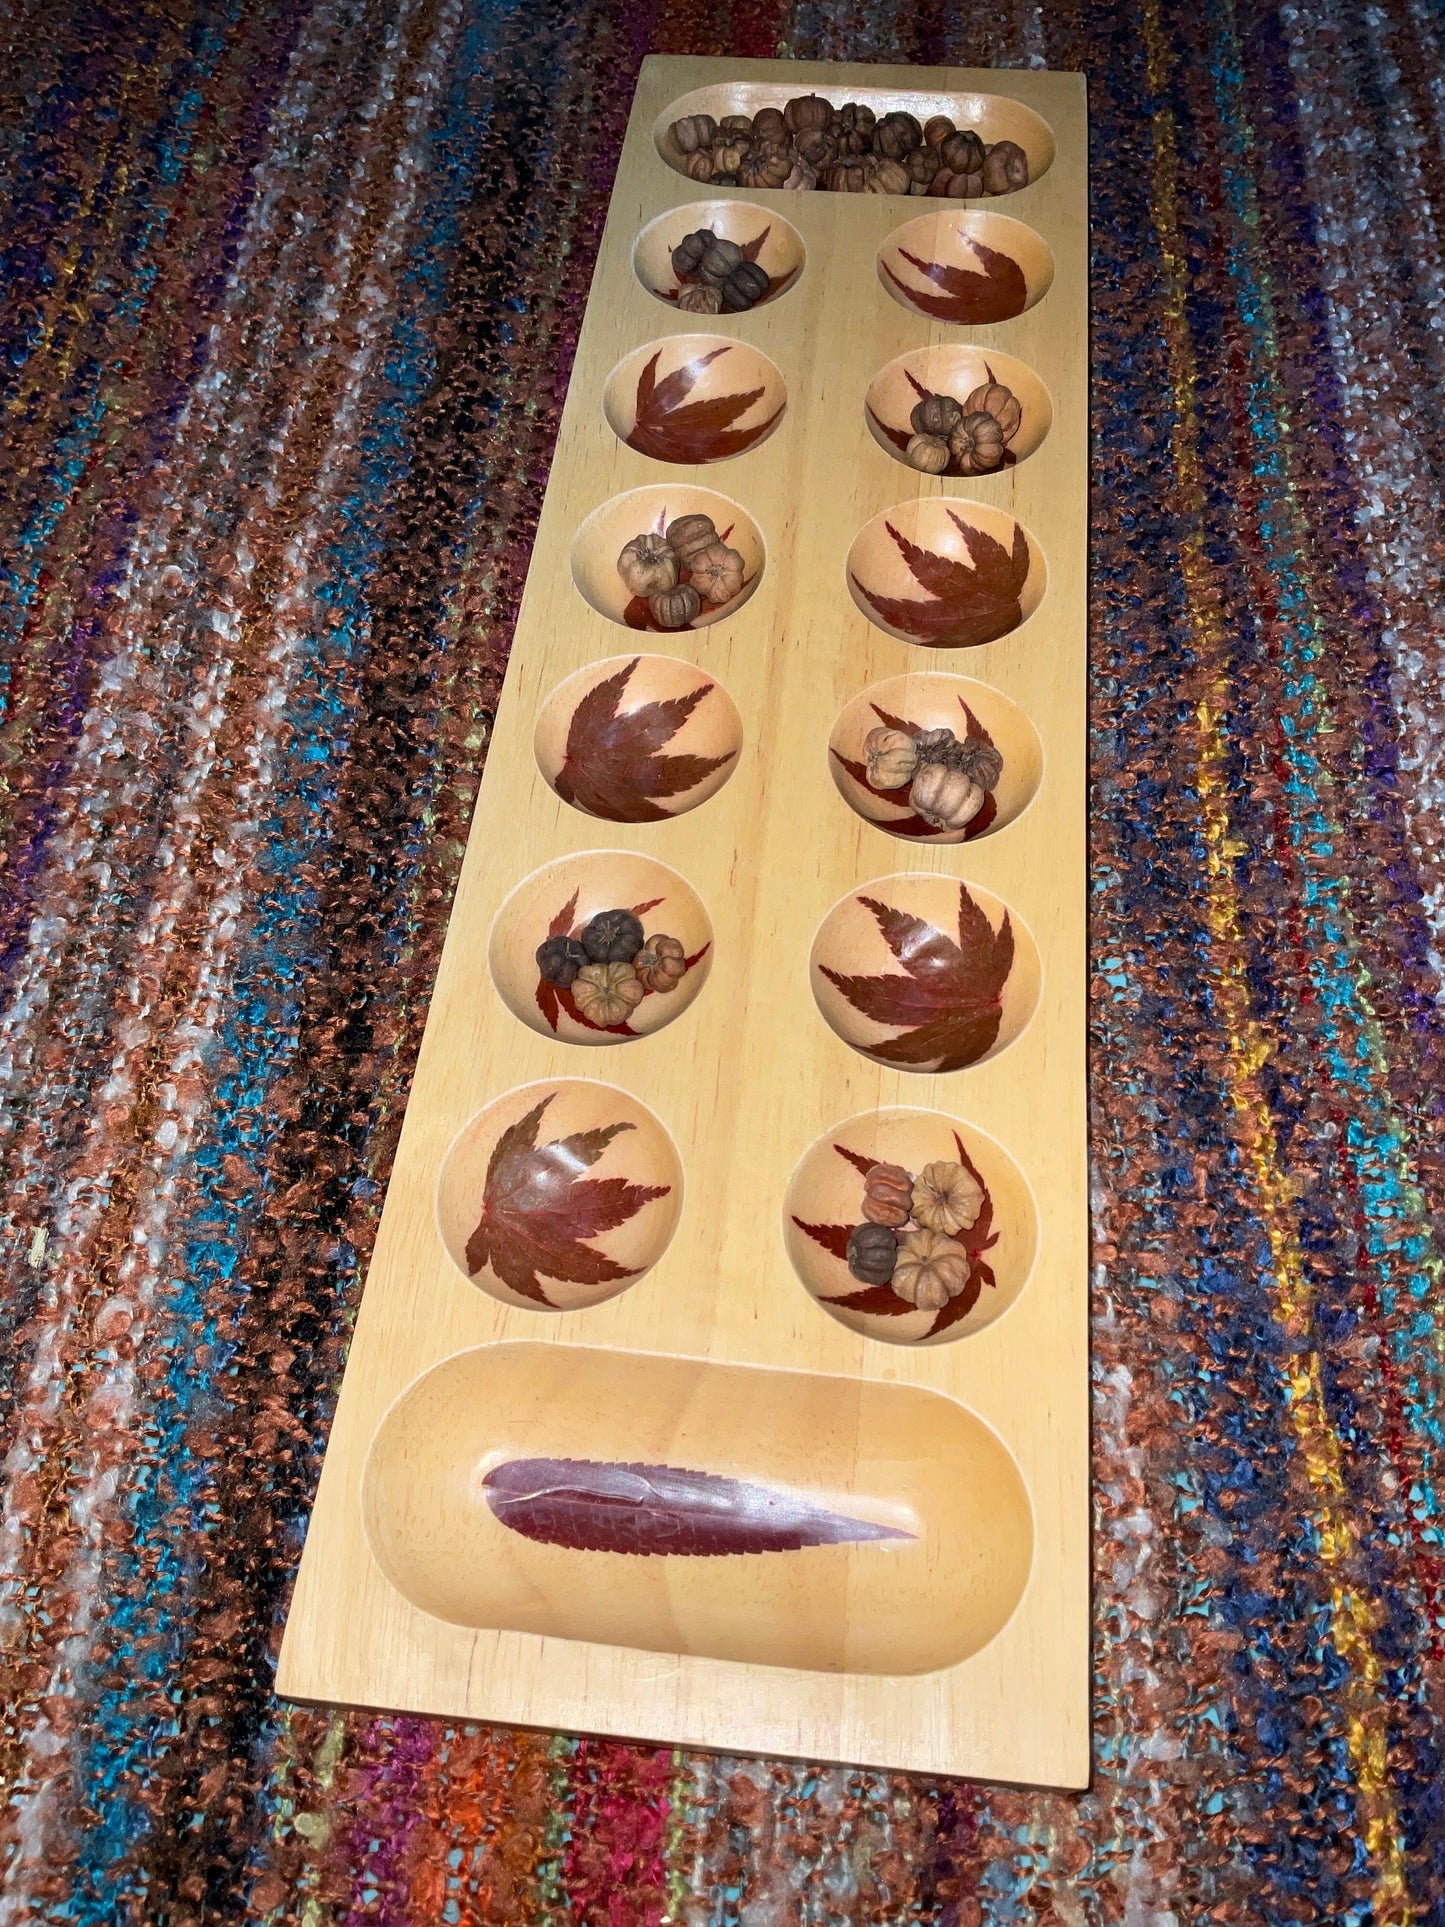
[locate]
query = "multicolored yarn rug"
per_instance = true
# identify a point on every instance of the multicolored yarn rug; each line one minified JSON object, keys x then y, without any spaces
{"x":291,"y":290}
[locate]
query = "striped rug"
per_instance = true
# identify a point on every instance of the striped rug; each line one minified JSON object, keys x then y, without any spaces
{"x":291,"y":292}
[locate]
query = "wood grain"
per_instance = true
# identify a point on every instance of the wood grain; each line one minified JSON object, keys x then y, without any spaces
{"x":749,"y":1076}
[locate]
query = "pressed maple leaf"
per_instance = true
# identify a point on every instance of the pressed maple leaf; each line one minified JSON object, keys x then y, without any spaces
{"x":612,"y":767}
{"x":601,"y":1505}
{"x":882,"y":1301}
{"x":995,"y":291}
{"x":971,"y":605}
{"x":537,"y":1210}
{"x":948,"y":1002}
{"x":670,"y":428}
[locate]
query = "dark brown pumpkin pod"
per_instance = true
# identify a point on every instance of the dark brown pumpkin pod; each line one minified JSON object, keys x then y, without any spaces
{"x":766,"y":167}
{"x":694,"y":131}
{"x":962,"y":153}
{"x":896,"y":135}
{"x":936,"y":415}
{"x":922,"y":164}
{"x":719,"y":259}
{"x":744,"y":288}
{"x":851,"y":176}
{"x":817,"y":146}
{"x":937,"y":130}
{"x":806,"y":112}
{"x":1005,"y":168}
{"x":687,"y":255}
{"x":769,"y":126}
{"x":736,"y":124}
{"x":872,"y":1253}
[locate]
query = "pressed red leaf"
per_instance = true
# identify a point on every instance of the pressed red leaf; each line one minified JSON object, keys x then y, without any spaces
{"x":832,"y":1237}
{"x":612,"y":766}
{"x":601,"y":1505}
{"x":995,"y":291}
{"x":900,"y":437}
{"x":537,"y":1210}
{"x":878,"y":1301}
{"x":948,"y":1001}
{"x":861,"y":1164}
{"x":752,"y":249}
{"x":975,"y":731}
{"x":971,"y":605}
{"x":669,"y":428}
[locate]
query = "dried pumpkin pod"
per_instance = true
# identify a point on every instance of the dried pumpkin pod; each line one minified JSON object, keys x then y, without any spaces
{"x":687,"y":255}
{"x":889,"y":177}
{"x":612,"y":936}
{"x":855,"y":117}
{"x":1005,"y":168}
{"x":736,"y":124}
{"x":895,"y":135}
{"x":745,"y":287}
{"x":765,"y":167}
{"x":930,"y":1270}
{"x":769,"y":125}
{"x":946,"y":1197}
{"x":947,"y":798}
{"x":927,"y":453}
{"x":818,"y":147}
{"x":675,"y":608}
{"x":872,"y":1253}
{"x":699,"y":166}
{"x":648,"y":565}
{"x":940,"y":746}
{"x":965,"y":187}
{"x":694,"y":131}
{"x":993,"y":398}
{"x":963,"y":153}
{"x":807,"y":112}
{"x":982,"y":762}
{"x":716,"y":572}
{"x":888,"y":1195}
{"x":698,"y":298}
{"x":718,"y":261}
{"x":559,"y":959}
{"x":922,"y":164}
{"x":892,"y":756}
{"x":689,"y":533}
{"x":661,"y":964}
{"x":938,"y":187}
{"x":607,"y":993}
{"x":801,"y":176}
{"x":851,"y":176}
{"x":728,"y":154}
{"x":935,"y":415}
{"x":977,"y":444}
{"x":937,"y":130}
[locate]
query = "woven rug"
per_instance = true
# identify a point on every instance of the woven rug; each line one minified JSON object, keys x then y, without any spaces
{"x":291,"y":292}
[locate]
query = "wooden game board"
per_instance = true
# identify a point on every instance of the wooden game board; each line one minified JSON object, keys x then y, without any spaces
{"x":876,"y":1515}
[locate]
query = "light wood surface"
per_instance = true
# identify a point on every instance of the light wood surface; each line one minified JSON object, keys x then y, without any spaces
{"x":404,"y":1600}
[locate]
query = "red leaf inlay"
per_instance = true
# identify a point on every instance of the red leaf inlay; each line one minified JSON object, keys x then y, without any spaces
{"x":612,"y":766}
{"x":600,"y":1505}
{"x":971,"y":605}
{"x":967,"y":296}
{"x":537,"y":1209}
{"x":948,"y":1003}
{"x":669,"y":428}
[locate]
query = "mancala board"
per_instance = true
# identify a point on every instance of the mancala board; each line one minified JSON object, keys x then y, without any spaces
{"x":721,"y":1374}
